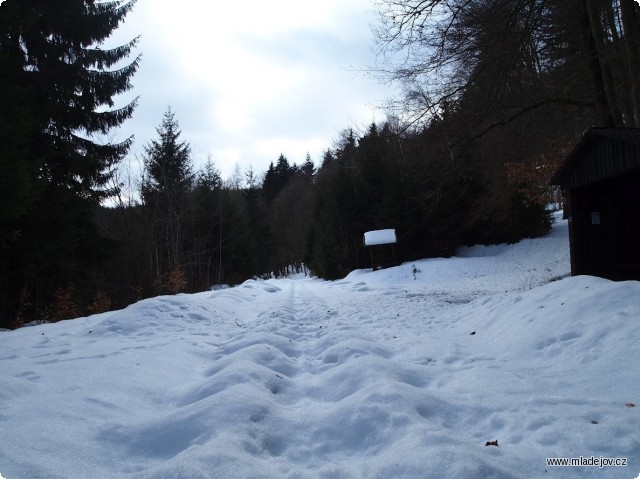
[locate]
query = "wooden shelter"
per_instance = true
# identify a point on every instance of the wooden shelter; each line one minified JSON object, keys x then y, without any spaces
{"x":601,"y":181}
{"x":382,"y":248}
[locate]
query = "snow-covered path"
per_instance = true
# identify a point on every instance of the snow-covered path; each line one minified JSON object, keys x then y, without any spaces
{"x":406,"y":372}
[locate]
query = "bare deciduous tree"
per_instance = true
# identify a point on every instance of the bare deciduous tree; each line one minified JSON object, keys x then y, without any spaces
{"x":440,"y":50}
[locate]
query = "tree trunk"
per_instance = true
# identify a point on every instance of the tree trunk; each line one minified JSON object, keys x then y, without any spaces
{"x":593,"y":61}
{"x":598,"y":35}
{"x":631,"y":25}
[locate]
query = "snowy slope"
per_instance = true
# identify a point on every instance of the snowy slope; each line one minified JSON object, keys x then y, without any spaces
{"x":379,"y":375}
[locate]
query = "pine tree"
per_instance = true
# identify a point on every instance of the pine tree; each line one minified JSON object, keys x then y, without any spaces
{"x":335,"y":242}
{"x":258,"y":242}
{"x":167,"y":183}
{"x":57,"y":94}
{"x":209,"y":178}
{"x":270,"y":184}
{"x":308,"y":169}
{"x":276,"y":178}
{"x":168,"y":161}
{"x":49,"y":48}
{"x":211,"y":225}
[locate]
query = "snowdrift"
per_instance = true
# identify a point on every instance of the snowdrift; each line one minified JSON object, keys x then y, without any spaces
{"x":407,"y":372}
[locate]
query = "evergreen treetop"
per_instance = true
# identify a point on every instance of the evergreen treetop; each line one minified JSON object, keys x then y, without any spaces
{"x":49,"y":50}
{"x":168,"y":160}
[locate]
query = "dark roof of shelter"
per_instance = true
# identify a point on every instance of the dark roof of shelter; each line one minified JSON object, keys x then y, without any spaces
{"x":601,"y":153}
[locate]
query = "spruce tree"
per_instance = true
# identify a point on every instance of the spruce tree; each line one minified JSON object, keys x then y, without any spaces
{"x":57,"y":87}
{"x":210,"y":226}
{"x":276,"y":178}
{"x":167,"y":161}
{"x":258,"y":244}
{"x":270,"y":184}
{"x":308,"y":169}
{"x":166,"y":186}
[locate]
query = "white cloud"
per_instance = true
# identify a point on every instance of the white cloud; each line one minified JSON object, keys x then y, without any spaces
{"x":252,"y":79}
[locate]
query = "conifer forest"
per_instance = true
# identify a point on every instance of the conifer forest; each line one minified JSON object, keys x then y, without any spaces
{"x":495,"y":93}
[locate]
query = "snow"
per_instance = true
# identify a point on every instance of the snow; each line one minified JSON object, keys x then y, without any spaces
{"x":378,"y":375}
{"x":377,"y":237}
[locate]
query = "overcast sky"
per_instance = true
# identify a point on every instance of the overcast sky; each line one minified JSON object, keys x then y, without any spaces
{"x":250,"y":80}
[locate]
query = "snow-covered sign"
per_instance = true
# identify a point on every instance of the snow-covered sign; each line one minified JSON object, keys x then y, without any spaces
{"x":372,"y":238}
